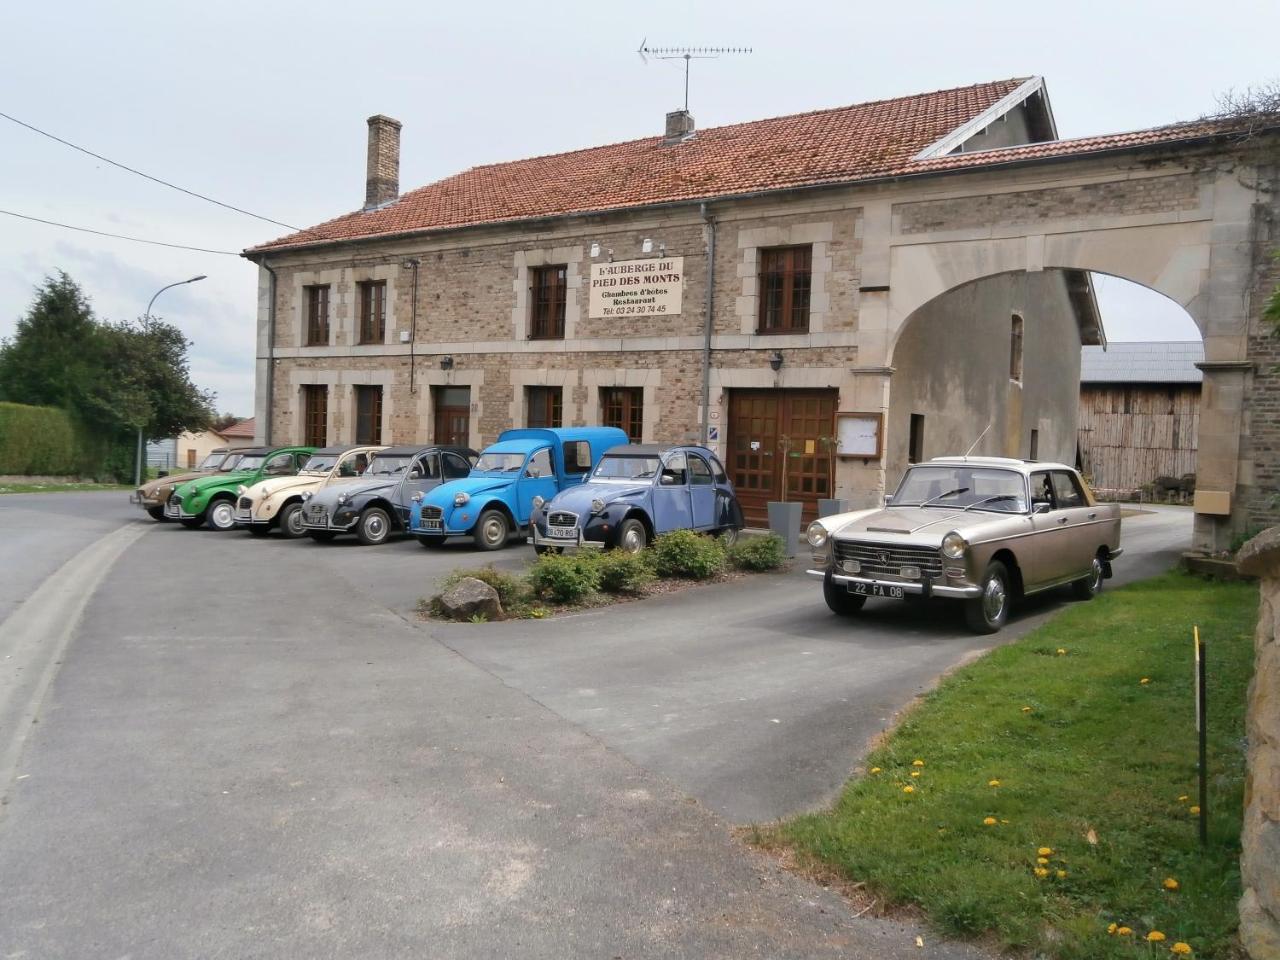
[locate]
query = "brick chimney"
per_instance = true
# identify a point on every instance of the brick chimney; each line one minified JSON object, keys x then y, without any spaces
{"x":382,"y":183}
{"x":679,"y":126}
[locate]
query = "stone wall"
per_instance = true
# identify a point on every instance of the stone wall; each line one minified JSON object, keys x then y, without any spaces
{"x":1260,"y":857}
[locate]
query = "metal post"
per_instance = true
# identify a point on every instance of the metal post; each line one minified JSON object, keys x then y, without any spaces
{"x":1202,"y":737}
{"x":146,"y":326}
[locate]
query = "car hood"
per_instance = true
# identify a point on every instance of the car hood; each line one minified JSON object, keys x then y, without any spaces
{"x":578,"y":499}
{"x":278,"y":485}
{"x":917,"y":524}
{"x":352,"y":486}
{"x":443,"y":495}
{"x":172,"y":480}
{"x":216,"y":480}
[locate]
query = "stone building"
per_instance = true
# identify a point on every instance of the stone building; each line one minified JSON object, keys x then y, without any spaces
{"x":823,"y":297}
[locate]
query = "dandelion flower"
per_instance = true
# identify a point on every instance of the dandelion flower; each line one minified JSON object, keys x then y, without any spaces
{"x":1045,"y":852}
{"x":1062,"y":874}
{"x":989,"y":821}
{"x":1123,"y":931}
{"x":915,"y":773}
{"x":1183,"y":799}
{"x":1181,"y":948}
{"x":908,"y":789}
{"x":1194,"y":811}
{"x":1062,"y":652}
{"x":1041,"y":872}
{"x":1042,"y":860}
{"x":1112,"y":927}
{"x":917,"y":763}
{"x":993,"y":783}
{"x":1144,"y":681}
{"x":1155,"y":936}
{"x":1026,"y":709}
{"x":1170,"y":883}
{"x":875,"y":769}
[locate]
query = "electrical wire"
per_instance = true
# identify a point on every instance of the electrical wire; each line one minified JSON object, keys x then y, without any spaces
{"x":119,"y":236}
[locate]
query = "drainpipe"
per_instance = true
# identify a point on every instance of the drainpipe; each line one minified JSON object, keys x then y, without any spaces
{"x":708,"y":325}
{"x":271,"y":353}
{"x":413,"y":321}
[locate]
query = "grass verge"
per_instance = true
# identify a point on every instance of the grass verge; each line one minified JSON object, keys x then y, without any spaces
{"x":1056,"y":741}
{"x":60,"y":487}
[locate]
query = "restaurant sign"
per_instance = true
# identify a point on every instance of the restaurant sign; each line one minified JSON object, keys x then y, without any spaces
{"x":636,"y":288}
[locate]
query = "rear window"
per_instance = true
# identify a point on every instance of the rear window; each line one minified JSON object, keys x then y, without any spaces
{"x":577,"y":456}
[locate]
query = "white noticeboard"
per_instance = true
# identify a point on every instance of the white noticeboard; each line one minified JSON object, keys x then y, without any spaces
{"x":859,"y":435}
{"x":636,"y":288}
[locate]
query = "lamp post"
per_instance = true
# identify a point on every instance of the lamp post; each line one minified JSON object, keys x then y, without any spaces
{"x":146,"y":323}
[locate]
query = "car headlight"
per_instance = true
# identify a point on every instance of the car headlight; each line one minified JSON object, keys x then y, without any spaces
{"x":241,"y":490}
{"x":417,"y":497}
{"x":817,"y":534}
{"x":954,"y":546}
{"x":597,"y":505}
{"x":461,"y":499}
{"x":343,"y":498}
{"x":538,"y":503}
{"x":306,"y":496}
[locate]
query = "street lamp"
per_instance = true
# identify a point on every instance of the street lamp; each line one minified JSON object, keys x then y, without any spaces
{"x":146,"y":322}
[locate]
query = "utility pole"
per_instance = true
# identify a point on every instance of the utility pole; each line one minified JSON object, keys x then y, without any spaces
{"x":146,"y":325}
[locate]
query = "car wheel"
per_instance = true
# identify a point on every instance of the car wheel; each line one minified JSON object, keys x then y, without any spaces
{"x":988,"y":612}
{"x":374,"y":527}
{"x":321,"y":536}
{"x":839,"y":599}
{"x":492,"y":530}
{"x":291,"y":527}
{"x":191,"y":523}
{"x":542,"y":550}
{"x":221,"y":515}
{"x":257,"y":530}
{"x":1086,"y":588}
{"x":431,"y":541}
{"x":156,"y":513}
{"x":632,"y":536}
{"x":729,"y":536}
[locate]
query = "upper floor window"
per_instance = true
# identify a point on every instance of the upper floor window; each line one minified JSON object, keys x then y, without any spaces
{"x":373,"y":311}
{"x":548,"y":289}
{"x":785,"y":282}
{"x":545,"y":406}
{"x":317,"y":305}
{"x":1015,"y":348}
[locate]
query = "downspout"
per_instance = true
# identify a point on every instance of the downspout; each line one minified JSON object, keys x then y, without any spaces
{"x":413,"y":321}
{"x":271,"y":352}
{"x":708,"y":325}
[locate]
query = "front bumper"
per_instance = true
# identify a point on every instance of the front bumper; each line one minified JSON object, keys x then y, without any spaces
{"x":176,"y":511}
{"x":540,"y":539}
{"x":925,"y":588}
{"x":322,"y":519}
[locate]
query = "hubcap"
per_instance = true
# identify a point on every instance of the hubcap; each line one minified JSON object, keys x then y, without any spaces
{"x":374,"y":528}
{"x":494,"y":530}
{"x":222,"y":516}
{"x":633,"y":540}
{"x":295,"y":522}
{"x":993,"y":599}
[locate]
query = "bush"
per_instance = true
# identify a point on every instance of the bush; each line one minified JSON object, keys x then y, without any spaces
{"x":758,"y":553}
{"x":562,"y":578}
{"x":683,"y":553}
{"x":512,"y":590}
{"x":622,"y":572}
{"x":37,"y":441}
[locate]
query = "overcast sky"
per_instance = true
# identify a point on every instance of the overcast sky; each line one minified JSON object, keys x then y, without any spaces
{"x":263,"y":105}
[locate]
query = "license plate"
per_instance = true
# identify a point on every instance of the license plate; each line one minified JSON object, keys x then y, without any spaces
{"x":432,"y":524}
{"x":563,"y":533}
{"x":876,"y":590}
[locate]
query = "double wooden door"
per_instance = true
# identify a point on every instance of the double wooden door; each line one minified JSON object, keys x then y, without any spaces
{"x":452,"y":416}
{"x":777,"y":438}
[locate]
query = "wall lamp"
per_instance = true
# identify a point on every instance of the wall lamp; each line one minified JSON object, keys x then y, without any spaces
{"x":775,"y":360}
{"x":446,"y":363}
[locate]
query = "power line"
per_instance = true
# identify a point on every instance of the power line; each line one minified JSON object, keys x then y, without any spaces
{"x":166,"y":183}
{"x":119,"y":236}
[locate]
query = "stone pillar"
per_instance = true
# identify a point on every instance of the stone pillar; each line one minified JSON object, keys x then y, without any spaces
{"x":1260,"y":842}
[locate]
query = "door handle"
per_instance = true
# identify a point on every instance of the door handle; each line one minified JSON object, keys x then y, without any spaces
{"x":1093,"y":516}
{"x":1062,"y":520}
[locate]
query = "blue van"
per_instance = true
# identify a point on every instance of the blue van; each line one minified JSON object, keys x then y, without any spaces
{"x":497,"y":498}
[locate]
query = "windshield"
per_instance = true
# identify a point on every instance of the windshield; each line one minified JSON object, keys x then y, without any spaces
{"x":320,"y":464}
{"x":500,"y":462}
{"x":627,"y":468}
{"x":231,"y":463}
{"x":252,"y":462}
{"x":211,"y":462}
{"x":964,"y":486}
{"x":388,"y":466}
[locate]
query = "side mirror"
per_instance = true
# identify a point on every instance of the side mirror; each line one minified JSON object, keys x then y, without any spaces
{"x":1042,"y":507}
{"x":667,"y":480}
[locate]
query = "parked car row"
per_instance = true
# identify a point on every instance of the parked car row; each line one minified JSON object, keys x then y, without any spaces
{"x":577,"y":487}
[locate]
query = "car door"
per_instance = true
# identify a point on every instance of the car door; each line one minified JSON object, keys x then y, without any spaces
{"x":702,"y":493}
{"x":538,"y":479}
{"x":1082,"y":538}
{"x":672,"y":508}
{"x":1047,"y":557}
{"x":423,"y":475}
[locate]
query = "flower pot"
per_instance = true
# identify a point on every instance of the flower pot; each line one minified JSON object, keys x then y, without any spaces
{"x":828,"y":508}
{"x":784,"y":520}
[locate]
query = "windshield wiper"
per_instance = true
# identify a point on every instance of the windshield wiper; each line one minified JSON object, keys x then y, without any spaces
{"x":950,"y":493}
{"x":978,"y":503}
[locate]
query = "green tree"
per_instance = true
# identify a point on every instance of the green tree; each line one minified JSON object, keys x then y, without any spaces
{"x":51,"y":353}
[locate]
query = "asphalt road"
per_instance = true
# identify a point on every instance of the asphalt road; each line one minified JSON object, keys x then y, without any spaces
{"x":213,"y":746}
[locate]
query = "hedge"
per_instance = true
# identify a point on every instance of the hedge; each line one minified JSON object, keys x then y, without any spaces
{"x":38,"y":441}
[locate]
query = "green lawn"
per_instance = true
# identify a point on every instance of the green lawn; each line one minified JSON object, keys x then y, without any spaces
{"x":60,"y":487}
{"x":1098,"y":755}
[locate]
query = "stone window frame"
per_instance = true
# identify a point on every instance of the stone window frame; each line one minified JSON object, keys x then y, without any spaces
{"x":344,"y":307}
{"x":574,"y":300}
{"x":751,"y":240}
{"x":426,"y":405}
{"x":387,"y":274}
{"x":342,"y":399}
{"x":647,"y":378}
{"x":567,"y":380}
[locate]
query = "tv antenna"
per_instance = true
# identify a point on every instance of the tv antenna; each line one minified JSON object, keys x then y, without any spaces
{"x":686,"y":54}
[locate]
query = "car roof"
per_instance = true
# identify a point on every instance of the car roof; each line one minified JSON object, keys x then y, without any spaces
{"x":518,"y":445}
{"x":654,"y":449}
{"x":1008,"y":463}
{"x":329,"y":451}
{"x":415,"y":449}
{"x":603,"y":436}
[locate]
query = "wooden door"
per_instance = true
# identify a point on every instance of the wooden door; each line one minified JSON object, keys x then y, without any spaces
{"x":772,"y":432}
{"x":453,"y":416}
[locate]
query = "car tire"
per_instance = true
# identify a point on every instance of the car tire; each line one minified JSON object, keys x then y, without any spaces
{"x":988,"y":612}
{"x":256,"y":530}
{"x":156,"y":513}
{"x":543,"y":551}
{"x":191,"y":523}
{"x":729,"y":536}
{"x":374,"y":527}
{"x":1086,"y":588}
{"x":492,"y":530}
{"x":321,"y":536}
{"x":632,"y":536}
{"x":839,"y":600}
{"x":221,"y":515}
{"x":291,"y":527}
{"x":431,"y":541}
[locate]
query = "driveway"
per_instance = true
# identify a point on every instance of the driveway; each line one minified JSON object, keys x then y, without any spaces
{"x":212,"y":746}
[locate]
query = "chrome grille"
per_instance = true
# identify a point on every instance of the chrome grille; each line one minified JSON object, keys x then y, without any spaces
{"x":562,"y":518}
{"x":432,"y":513}
{"x":316,"y":514}
{"x":886,"y":560}
{"x":246,"y":503}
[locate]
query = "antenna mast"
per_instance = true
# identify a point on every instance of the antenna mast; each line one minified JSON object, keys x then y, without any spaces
{"x":686,"y":54}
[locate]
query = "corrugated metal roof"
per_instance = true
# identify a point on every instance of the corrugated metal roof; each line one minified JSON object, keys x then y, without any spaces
{"x":1155,"y":361}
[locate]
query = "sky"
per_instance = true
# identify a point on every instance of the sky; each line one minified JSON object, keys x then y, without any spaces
{"x":263,"y":105}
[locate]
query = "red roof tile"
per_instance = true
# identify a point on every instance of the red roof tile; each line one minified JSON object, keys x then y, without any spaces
{"x":241,"y":428}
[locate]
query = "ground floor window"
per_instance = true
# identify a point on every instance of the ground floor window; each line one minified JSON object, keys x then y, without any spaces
{"x":369,"y":415}
{"x":623,"y":407}
{"x":545,"y":407}
{"x":315,"y":415}
{"x":915,"y":443}
{"x":452,"y":415}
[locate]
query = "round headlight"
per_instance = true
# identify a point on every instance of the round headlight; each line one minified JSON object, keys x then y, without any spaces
{"x":461,"y":499}
{"x":307,"y":495}
{"x":343,"y":498}
{"x":817,"y":534}
{"x":417,"y":497}
{"x":597,"y":505}
{"x":954,"y":546}
{"x":241,"y":490}
{"x":538,"y":503}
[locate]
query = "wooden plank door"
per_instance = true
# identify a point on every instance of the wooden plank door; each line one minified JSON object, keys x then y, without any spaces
{"x":770,"y":428}
{"x":453,"y":416}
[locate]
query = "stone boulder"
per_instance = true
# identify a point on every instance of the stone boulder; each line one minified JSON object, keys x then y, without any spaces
{"x":468,"y":597}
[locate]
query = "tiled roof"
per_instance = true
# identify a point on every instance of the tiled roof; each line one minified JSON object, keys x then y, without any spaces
{"x":1169,"y":361}
{"x":843,"y":145}
{"x":241,"y":428}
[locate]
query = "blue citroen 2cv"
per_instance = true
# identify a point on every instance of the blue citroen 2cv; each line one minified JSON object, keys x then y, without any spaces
{"x":637,"y":492}
{"x":497,"y":498}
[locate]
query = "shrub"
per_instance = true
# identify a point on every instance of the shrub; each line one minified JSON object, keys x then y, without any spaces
{"x":562,"y":578}
{"x":622,"y":572}
{"x":37,"y":440}
{"x":512,"y":590}
{"x":683,"y":553}
{"x":758,"y":553}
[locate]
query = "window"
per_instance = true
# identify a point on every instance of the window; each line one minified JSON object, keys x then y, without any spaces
{"x":785,"y":282}
{"x":577,"y":457}
{"x":915,"y":442}
{"x":675,"y":471}
{"x":281,"y":465}
{"x":315,"y":415}
{"x":721,"y":477}
{"x":368,"y":414}
{"x":540,"y":464}
{"x":455,"y":467}
{"x":623,"y":407}
{"x":373,"y":311}
{"x":548,"y":286}
{"x":317,"y":316}
{"x":1066,"y":491}
{"x":425,"y":468}
{"x":1035,"y":445}
{"x":1041,"y":489}
{"x":545,"y":407}
{"x":699,"y":472}
{"x":1015,"y":349}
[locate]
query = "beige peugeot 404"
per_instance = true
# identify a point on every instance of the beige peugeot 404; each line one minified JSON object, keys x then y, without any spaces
{"x":277,"y":501}
{"x":982,"y":530}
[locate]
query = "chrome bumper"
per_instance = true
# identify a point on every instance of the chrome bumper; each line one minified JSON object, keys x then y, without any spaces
{"x":328,"y":524}
{"x":538,"y":540}
{"x":246,"y":517}
{"x":175,"y":511}
{"x":915,"y":587}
